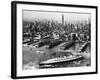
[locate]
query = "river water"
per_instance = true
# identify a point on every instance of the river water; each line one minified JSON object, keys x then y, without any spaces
{"x":38,"y":57}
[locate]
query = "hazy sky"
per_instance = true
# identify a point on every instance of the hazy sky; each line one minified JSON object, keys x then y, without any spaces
{"x":56,"y":16}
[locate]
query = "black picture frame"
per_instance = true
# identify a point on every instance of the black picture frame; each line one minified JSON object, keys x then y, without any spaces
{"x":14,"y":38}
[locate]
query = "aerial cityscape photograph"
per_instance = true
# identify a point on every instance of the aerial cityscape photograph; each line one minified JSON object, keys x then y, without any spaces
{"x":55,"y":39}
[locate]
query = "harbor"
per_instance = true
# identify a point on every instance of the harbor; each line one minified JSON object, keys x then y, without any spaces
{"x":77,"y":55}
{"x":54,"y":44}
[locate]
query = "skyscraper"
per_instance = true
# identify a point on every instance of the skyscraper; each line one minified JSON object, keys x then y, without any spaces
{"x":62,"y":19}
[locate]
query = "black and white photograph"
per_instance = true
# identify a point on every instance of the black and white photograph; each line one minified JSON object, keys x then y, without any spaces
{"x":56,"y":39}
{"x":53,"y":39}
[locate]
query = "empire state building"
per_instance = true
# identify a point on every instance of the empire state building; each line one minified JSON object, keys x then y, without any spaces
{"x":62,"y":19}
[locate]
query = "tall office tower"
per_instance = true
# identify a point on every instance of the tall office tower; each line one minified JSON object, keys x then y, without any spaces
{"x":62,"y":19}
